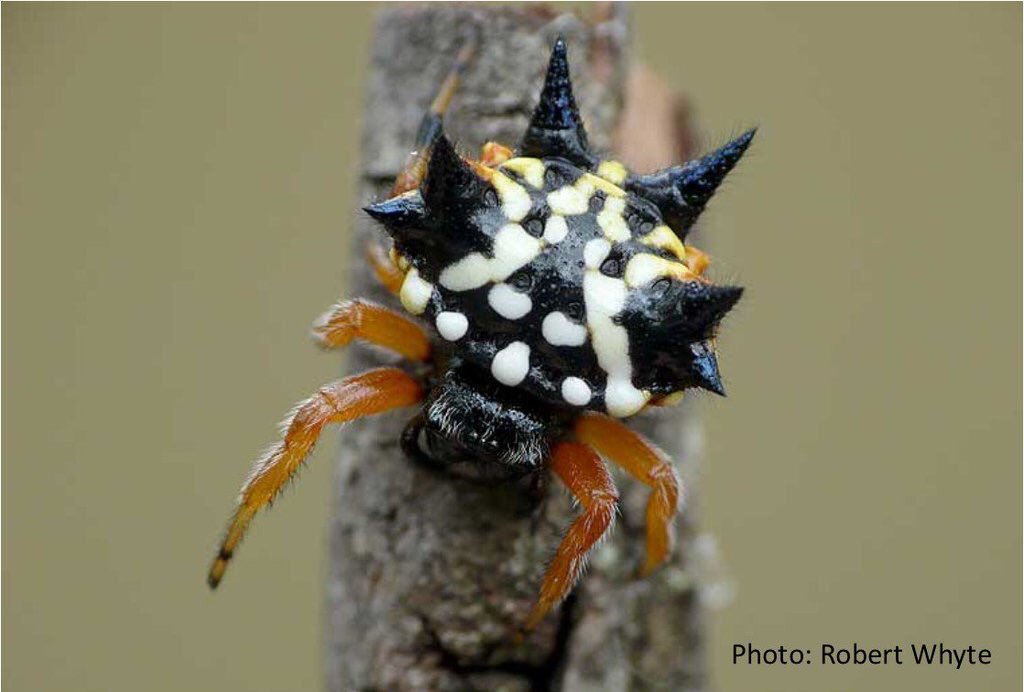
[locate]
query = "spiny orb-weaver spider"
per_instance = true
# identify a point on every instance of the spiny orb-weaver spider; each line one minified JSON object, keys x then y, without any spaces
{"x":562,"y":299}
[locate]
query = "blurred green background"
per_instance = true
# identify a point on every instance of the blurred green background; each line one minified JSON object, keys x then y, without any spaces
{"x":177,"y":181}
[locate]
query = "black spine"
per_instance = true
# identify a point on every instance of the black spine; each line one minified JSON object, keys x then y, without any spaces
{"x":682,"y":192}
{"x":556,"y":128}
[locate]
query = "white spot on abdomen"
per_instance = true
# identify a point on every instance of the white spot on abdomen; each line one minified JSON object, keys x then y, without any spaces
{"x":558,"y":330}
{"x":509,"y":303}
{"x":532,"y":170}
{"x":514,"y":248}
{"x":555,"y":229}
{"x":622,"y":399}
{"x":575,"y":391}
{"x":595,"y":251}
{"x":568,"y":201}
{"x":611,"y":221}
{"x":605,"y":297}
{"x":612,"y":171}
{"x":472,"y":271}
{"x":511,"y":364}
{"x":415,"y":292}
{"x":515,"y":200}
{"x":575,"y":199}
{"x":452,"y":325}
{"x":644,"y":268}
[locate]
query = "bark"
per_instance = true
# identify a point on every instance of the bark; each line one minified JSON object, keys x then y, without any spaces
{"x":430,"y":575}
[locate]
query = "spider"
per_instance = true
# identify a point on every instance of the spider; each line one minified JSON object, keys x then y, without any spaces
{"x":561,"y":299}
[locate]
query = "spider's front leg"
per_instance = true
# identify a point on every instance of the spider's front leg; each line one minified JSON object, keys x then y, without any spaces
{"x":384,"y":268}
{"x":361,"y":319}
{"x":375,"y":391}
{"x":585,"y":475}
{"x":415,"y":167}
{"x":696,"y":260}
{"x":642,"y":460}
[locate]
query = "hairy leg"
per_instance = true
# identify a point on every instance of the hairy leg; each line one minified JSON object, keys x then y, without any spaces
{"x":618,"y":443}
{"x":384,"y":268}
{"x":696,"y":260}
{"x":415,"y":167}
{"x":359,"y":319}
{"x":493,"y":154}
{"x":354,"y":397}
{"x":585,"y":475}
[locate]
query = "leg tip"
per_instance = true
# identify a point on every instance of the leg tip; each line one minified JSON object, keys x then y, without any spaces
{"x":649,"y":567}
{"x":217,"y":572}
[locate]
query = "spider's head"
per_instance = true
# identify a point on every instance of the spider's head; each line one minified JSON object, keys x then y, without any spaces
{"x":468,"y":415}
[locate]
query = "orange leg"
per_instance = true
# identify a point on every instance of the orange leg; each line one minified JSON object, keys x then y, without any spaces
{"x":358,"y":319}
{"x":584,"y":474}
{"x":415,"y":167}
{"x":601,"y":54}
{"x":388,"y":274}
{"x":696,"y":260}
{"x":644,"y":462}
{"x":493,"y":154}
{"x":354,"y":397}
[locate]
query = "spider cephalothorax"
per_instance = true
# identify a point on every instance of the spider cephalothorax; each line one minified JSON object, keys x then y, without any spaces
{"x":560,"y":296}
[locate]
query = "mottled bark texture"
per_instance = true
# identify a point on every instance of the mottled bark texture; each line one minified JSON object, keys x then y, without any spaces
{"x":431,"y":575}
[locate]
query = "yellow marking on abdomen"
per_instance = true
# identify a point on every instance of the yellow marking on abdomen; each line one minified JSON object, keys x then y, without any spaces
{"x":612,"y":171}
{"x":663,"y":238}
{"x":572,"y":200}
{"x":644,"y":268}
{"x":515,"y":200}
{"x":532,"y":170}
{"x":416,"y":292}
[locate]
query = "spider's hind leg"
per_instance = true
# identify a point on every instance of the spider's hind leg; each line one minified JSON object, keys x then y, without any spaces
{"x":585,"y":475}
{"x":638,"y":457}
{"x":372,"y":392}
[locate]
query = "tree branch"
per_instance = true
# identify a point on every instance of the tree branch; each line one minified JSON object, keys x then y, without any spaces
{"x":431,"y":575}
